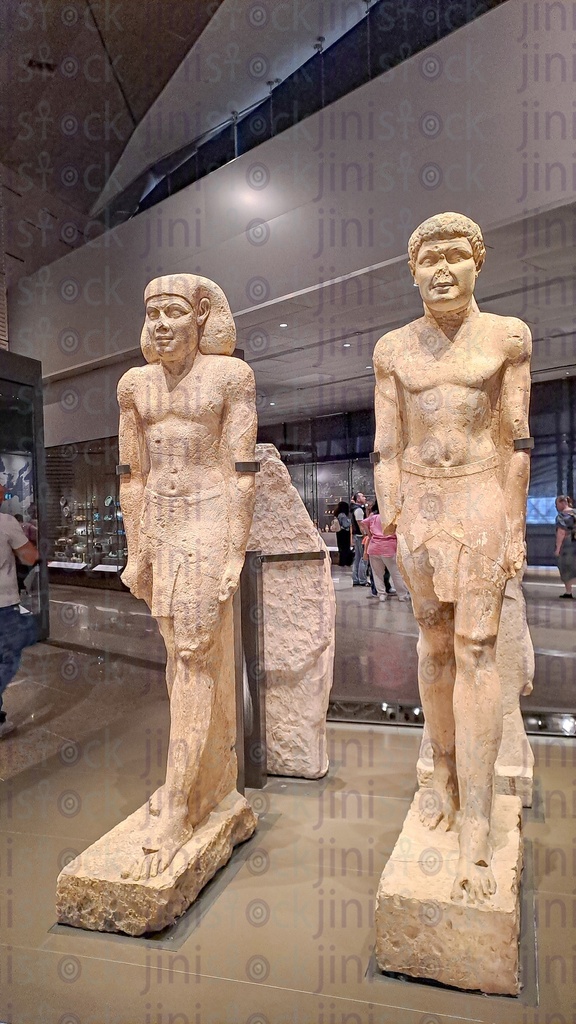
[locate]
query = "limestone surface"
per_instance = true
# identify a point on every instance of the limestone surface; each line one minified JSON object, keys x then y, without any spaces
{"x":93,"y":893}
{"x":514,"y":770}
{"x":299,"y":623}
{"x":422,"y":932}
{"x":452,"y":473}
{"x":187,"y":419}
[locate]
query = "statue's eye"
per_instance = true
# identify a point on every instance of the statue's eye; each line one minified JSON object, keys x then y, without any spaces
{"x":152,"y":314}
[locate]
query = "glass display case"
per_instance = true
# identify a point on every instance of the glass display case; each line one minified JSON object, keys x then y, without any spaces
{"x":86,"y":528}
{"x":333,"y":486}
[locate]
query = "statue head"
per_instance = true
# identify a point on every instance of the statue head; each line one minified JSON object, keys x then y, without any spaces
{"x":446,"y":253}
{"x":184,"y":312}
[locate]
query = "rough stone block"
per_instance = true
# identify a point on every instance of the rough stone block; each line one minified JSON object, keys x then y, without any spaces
{"x":421,"y":932}
{"x":299,"y":624}
{"x":91,"y":892}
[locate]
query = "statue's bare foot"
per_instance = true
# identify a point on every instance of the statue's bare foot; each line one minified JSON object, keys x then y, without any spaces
{"x":161,"y":838}
{"x":438,"y":803}
{"x":474,"y":875}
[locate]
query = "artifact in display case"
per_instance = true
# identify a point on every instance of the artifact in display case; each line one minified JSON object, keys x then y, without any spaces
{"x":299,"y":624}
{"x":452,"y":476}
{"x":187,"y":436}
{"x":87,"y":521}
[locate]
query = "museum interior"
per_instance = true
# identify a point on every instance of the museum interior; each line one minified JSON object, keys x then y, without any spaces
{"x":237,"y":719}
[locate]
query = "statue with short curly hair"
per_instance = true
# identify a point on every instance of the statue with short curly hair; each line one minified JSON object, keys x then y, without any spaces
{"x":452,"y":394}
{"x":448,"y":225}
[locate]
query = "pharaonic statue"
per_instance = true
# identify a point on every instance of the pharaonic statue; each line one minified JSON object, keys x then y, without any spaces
{"x":187,"y":432}
{"x":452,"y":394}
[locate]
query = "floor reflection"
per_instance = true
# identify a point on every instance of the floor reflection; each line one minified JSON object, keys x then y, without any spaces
{"x":375,"y":641}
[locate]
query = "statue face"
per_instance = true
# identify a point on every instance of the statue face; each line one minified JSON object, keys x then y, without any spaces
{"x":446,"y":274}
{"x":172,"y":327}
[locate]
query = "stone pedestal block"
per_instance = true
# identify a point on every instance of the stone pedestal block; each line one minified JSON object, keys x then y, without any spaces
{"x":91,"y":892}
{"x":420,"y":931}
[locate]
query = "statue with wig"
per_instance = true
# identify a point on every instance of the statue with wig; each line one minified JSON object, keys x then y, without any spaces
{"x":452,"y":395}
{"x":186,"y":420}
{"x":187,"y":437}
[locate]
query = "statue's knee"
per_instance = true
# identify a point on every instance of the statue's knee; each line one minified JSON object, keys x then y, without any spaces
{"x":475,"y":652}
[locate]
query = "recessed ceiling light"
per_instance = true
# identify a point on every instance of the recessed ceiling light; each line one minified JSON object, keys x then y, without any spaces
{"x":367,"y":367}
{"x":272,"y":403}
{"x":346,"y":344}
{"x":283,"y":325}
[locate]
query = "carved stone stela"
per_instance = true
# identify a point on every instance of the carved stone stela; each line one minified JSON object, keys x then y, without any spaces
{"x":186,"y":419}
{"x":452,"y":395}
{"x":299,"y":624}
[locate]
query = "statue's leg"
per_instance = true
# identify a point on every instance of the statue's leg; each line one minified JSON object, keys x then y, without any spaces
{"x":172,"y":818}
{"x":478,"y":717}
{"x":436,"y":671}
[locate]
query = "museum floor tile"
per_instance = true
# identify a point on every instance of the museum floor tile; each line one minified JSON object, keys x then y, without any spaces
{"x":284,"y":934}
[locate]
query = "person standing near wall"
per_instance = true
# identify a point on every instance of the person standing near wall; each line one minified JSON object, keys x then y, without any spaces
{"x":565,"y":549}
{"x":357,"y":509}
{"x":382,"y":554}
{"x":17,"y":631}
{"x":342,"y":514}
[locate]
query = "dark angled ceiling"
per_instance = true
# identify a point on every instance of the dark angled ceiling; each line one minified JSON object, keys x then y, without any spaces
{"x":76,"y":78}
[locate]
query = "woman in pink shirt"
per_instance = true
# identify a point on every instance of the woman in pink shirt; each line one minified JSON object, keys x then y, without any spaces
{"x":382,"y":554}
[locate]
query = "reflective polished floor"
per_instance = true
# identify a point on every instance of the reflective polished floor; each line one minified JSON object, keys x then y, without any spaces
{"x":375,"y":641}
{"x":376,"y":644}
{"x":286,"y":935}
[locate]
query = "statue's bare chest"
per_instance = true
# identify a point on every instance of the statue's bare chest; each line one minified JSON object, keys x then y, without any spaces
{"x":431,"y":361}
{"x":195,"y":399}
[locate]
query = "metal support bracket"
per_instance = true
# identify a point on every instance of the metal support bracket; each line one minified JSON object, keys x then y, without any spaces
{"x":295,"y":556}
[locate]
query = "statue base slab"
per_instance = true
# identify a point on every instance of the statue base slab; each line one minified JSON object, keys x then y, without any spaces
{"x":91,"y":892}
{"x":421,"y":932}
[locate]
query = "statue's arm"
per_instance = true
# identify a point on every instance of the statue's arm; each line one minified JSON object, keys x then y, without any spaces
{"x":514,"y":426}
{"x":388,"y":441}
{"x":132,"y":452}
{"x":238,"y":442}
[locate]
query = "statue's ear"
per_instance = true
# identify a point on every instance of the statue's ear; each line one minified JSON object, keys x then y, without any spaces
{"x":203,"y":311}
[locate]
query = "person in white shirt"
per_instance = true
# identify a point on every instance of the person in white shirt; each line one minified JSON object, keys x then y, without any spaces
{"x":357,"y":508}
{"x":16,"y":631}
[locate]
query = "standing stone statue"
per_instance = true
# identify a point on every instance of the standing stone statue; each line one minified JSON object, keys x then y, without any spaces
{"x":187,"y":430}
{"x":452,"y":393}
